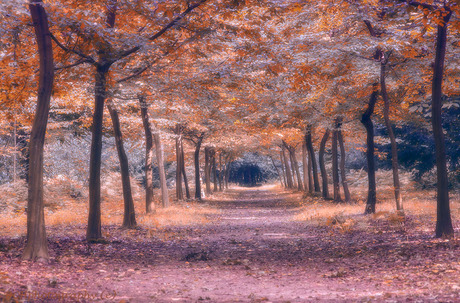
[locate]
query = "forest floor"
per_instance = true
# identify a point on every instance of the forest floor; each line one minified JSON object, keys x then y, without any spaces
{"x":257,"y":245}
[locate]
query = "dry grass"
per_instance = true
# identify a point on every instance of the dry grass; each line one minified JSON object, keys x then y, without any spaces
{"x":66,"y":214}
{"x":419,"y":204}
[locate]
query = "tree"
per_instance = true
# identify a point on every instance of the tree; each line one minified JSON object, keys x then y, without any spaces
{"x":148,"y":154}
{"x":367,"y":122}
{"x":322,"y":164}
{"x":107,"y":54}
{"x":129,"y":216}
{"x":37,"y":246}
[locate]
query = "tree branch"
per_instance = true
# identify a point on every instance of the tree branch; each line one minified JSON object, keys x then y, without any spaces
{"x":66,"y":49}
{"x":72,"y":65}
{"x":164,"y":29}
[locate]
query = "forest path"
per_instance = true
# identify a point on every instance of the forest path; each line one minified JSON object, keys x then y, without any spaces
{"x":252,"y":250}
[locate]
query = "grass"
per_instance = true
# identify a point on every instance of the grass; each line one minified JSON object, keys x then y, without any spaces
{"x":418,"y":204}
{"x":67,"y":215}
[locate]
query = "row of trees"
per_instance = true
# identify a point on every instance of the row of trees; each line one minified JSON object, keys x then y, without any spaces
{"x":229,"y":76}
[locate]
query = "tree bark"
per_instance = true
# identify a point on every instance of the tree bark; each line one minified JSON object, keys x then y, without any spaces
{"x":287,"y":169}
{"x":283,"y":170}
{"x":161,"y":168}
{"x":197,"y":168}
{"x":292,"y":167}
{"x":305,"y":166}
{"x":149,"y":206}
{"x":346,"y":190}
{"x":227,"y":171}
{"x":214,"y":169}
{"x":277,"y":171}
{"x":93,"y":232}
{"x":367,"y":122}
{"x":207,"y":170}
{"x":311,"y":151}
{"x":335,"y":167}
{"x":37,"y":246}
{"x":129,"y":216}
{"x":179,"y":192}
{"x":322,"y":165}
{"x":187,"y":188}
{"x":389,"y":126}
{"x":310,"y":175}
{"x":220,"y":172}
{"x":297,"y":170}
{"x":444,"y":226}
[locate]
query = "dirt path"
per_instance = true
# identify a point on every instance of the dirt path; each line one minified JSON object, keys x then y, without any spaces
{"x":253,"y":251}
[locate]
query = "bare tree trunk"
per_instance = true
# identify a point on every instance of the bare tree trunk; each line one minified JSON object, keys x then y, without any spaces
{"x":277,"y":171}
{"x":444,"y":226}
{"x":148,"y":155}
{"x":287,"y":169}
{"x":283,"y":169}
{"x":305,"y":166}
{"x":309,"y":142}
{"x":37,"y":246}
{"x":335,"y":167}
{"x":322,"y":165}
{"x":310,"y":175}
{"x":227,"y":171}
{"x":187,"y":188}
{"x":161,"y":168}
{"x":346,"y":191}
{"x":207,"y":169}
{"x":389,"y":126}
{"x":129,"y":216}
{"x":220,"y":172}
{"x":292,"y":167}
{"x":179,"y":193}
{"x":214,"y":169}
{"x":197,"y":168}
{"x":93,"y":232}
{"x":367,"y":122}
{"x":296,"y":168}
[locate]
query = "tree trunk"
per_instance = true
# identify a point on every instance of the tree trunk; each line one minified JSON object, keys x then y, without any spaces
{"x":220,"y":172}
{"x":305,"y":166}
{"x":129,"y":216}
{"x":287,"y":169}
{"x":367,"y":122}
{"x":207,"y":169}
{"x":37,"y":246}
{"x":227,"y":172}
{"x":214,"y":169}
{"x":277,"y":171}
{"x":161,"y":168}
{"x":149,"y":206}
{"x":179,"y":192}
{"x":283,"y":169}
{"x":292,"y":167}
{"x":322,"y":165}
{"x":389,"y":126}
{"x":311,"y":151}
{"x":310,"y":175}
{"x":346,"y":191}
{"x":93,"y":232}
{"x":335,"y":167}
{"x":197,"y":168}
{"x":187,"y":188}
{"x":444,"y":226}
{"x":297,"y":170}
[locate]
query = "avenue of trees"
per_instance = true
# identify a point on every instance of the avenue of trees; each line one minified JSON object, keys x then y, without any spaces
{"x":288,"y":79}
